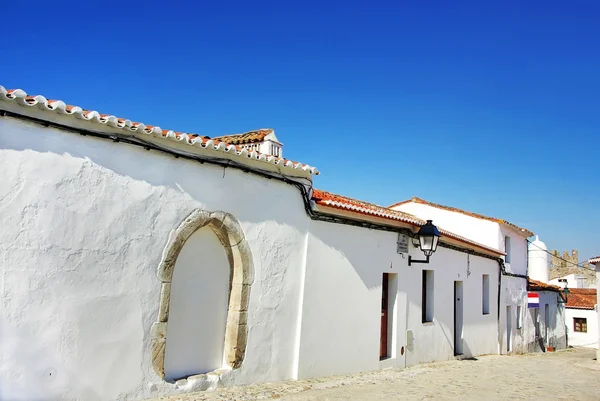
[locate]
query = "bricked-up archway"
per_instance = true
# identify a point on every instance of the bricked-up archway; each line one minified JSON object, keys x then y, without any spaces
{"x":229,"y":231}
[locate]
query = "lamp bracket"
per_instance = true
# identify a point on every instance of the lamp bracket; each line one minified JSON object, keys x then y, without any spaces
{"x":411,"y":260}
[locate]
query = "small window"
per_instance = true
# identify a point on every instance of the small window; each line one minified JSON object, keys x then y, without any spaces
{"x":485,"y":296}
{"x":427,"y":296}
{"x":507,"y":249}
{"x":580,"y":324}
{"x":519,"y":324}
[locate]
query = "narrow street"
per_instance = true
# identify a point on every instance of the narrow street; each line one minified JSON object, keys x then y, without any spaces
{"x":565,"y":375}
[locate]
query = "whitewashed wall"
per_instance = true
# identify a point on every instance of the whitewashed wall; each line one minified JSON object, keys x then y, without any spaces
{"x":557,"y":334}
{"x":341,"y":311}
{"x":84,"y":222}
{"x":578,"y":339}
{"x":483,"y":231}
{"x":518,"y":250}
{"x":342,"y":303}
{"x":513,"y":293}
{"x":435,"y":341}
{"x":573,"y":281}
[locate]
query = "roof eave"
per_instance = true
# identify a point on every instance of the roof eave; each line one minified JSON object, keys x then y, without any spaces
{"x":462,"y":243}
{"x":38,"y":108}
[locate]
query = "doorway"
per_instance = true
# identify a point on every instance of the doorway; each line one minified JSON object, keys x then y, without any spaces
{"x":458,"y":318}
{"x":383,"y":339}
{"x":196,"y":335}
{"x":508,"y":328}
{"x":546,"y":322}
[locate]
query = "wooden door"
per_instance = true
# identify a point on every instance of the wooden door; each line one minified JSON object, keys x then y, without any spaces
{"x":383,"y":344}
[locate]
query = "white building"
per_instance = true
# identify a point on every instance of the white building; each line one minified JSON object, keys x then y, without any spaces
{"x":582,"y":317}
{"x":262,"y":140}
{"x":138,"y":262}
{"x":514,"y":334}
{"x":596,"y":262}
{"x":544,"y":324}
{"x":570,"y":281}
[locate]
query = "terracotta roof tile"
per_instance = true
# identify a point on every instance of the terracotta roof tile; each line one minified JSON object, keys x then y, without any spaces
{"x":341,"y":202}
{"x":329,"y":199}
{"x":534,"y":285}
{"x":595,"y":260}
{"x":581,"y":298}
{"x":246,"y":137}
{"x":455,"y":209}
{"x":217,"y":145}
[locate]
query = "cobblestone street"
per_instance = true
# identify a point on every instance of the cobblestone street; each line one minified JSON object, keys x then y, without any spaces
{"x":566,"y":375}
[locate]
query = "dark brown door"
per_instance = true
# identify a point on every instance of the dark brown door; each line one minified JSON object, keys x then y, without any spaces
{"x":384,"y":318}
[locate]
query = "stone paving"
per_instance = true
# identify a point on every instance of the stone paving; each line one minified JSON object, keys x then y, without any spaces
{"x":571,"y":374}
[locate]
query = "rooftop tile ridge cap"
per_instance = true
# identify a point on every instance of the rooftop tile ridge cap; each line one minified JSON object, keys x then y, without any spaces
{"x":40,"y":102}
{"x":360,"y":201}
{"x":252,"y":131}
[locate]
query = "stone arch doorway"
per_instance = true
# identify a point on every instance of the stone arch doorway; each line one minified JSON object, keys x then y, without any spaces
{"x":230,"y":234}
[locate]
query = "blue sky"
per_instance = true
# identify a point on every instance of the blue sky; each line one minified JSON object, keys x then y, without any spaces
{"x":489,"y":106}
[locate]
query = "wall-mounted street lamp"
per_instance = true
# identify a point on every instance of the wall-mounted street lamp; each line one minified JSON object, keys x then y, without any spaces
{"x":428,"y":242}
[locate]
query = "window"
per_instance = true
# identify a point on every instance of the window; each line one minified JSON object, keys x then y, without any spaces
{"x":546,"y":322}
{"x":485,"y":296}
{"x":507,"y":249}
{"x":580,"y":324}
{"x":519,"y":324}
{"x":427,"y":296}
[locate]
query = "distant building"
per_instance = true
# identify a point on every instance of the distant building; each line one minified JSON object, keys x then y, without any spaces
{"x":572,"y":281}
{"x":262,"y":140}
{"x":566,"y":264}
{"x":582,"y":318}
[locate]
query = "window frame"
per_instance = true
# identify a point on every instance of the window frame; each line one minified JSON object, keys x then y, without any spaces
{"x":485,"y":294}
{"x":427,"y":300}
{"x":582,"y":323}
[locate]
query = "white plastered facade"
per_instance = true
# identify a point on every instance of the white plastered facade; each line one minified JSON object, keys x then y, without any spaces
{"x":85,"y":223}
{"x":513,"y":291}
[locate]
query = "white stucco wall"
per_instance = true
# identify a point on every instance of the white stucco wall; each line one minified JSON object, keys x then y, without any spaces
{"x":578,"y":339}
{"x":557,"y":334}
{"x":513,"y":293}
{"x":435,"y":341}
{"x":342,"y":302}
{"x":518,"y":250}
{"x":513,"y":290}
{"x":342,"y":299}
{"x":573,"y":281}
{"x":483,"y":231}
{"x":84,"y":222}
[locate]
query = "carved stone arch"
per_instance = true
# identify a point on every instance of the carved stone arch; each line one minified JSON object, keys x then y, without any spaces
{"x":229,"y":231}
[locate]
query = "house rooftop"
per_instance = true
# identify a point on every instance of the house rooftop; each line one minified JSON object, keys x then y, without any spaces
{"x":255,"y":136}
{"x":581,"y":298}
{"x":415,"y":199}
{"x":56,"y":112}
{"x":328,"y":199}
{"x":595,"y":260}
{"x":534,"y":285}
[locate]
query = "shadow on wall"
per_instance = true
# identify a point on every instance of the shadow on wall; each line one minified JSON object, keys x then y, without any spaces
{"x":174,"y":173}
